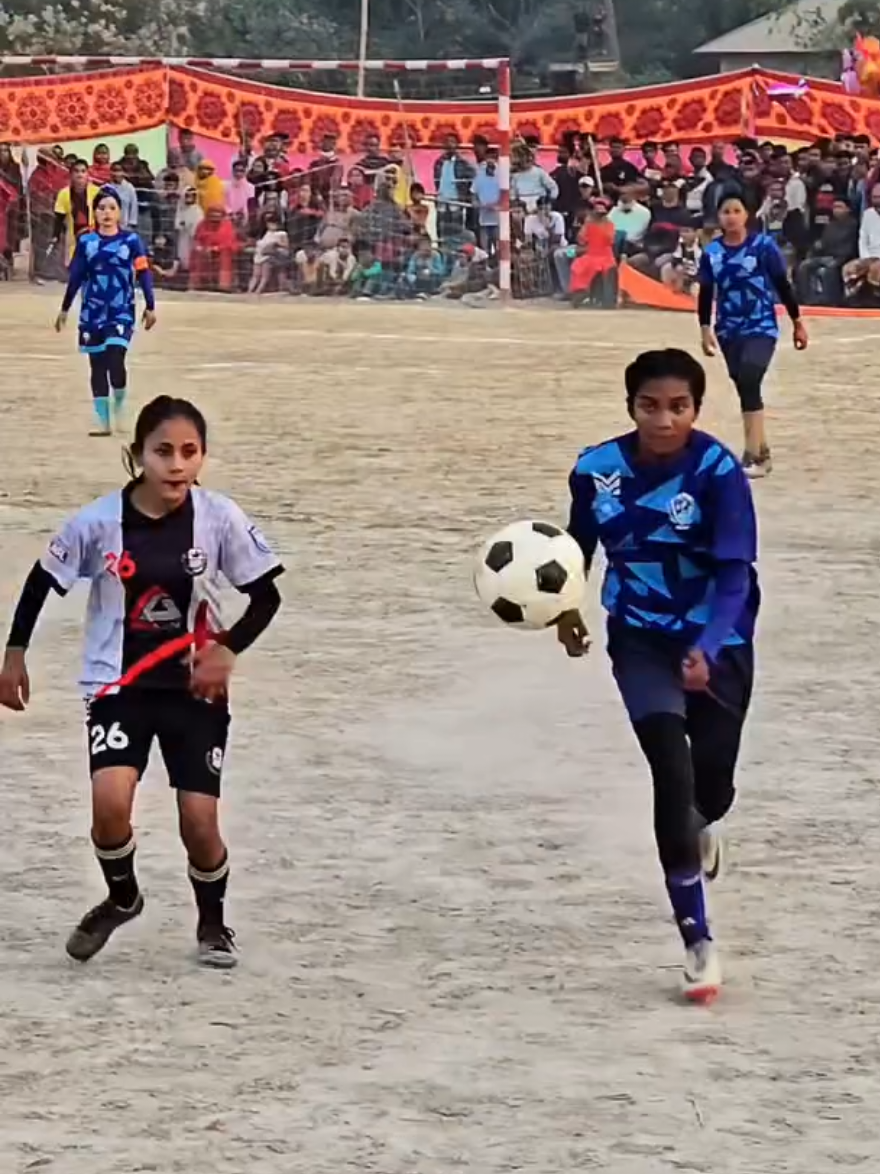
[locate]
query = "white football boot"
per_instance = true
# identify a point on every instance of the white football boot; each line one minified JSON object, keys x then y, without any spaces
{"x":702,"y":972}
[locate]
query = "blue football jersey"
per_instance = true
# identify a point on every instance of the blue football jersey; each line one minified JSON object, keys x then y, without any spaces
{"x":744,"y":282}
{"x":666,"y":529}
{"x":107,"y":267}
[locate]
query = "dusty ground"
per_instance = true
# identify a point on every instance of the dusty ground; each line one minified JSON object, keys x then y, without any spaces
{"x":456,"y":949}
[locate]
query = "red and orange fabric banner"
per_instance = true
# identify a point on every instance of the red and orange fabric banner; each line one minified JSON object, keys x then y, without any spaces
{"x":77,"y":106}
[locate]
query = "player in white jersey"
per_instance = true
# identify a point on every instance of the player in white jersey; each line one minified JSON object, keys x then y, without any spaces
{"x":155,"y":554}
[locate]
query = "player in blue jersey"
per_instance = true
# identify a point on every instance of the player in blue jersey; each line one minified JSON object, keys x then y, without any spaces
{"x":673,"y":511}
{"x":745,"y":274}
{"x":106,"y":266}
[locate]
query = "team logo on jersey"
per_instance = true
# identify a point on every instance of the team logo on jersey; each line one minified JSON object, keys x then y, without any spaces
{"x":195,"y":561}
{"x":259,"y":540}
{"x":609,"y":483}
{"x":682,"y":511}
{"x":58,"y":550}
{"x":155,"y":611}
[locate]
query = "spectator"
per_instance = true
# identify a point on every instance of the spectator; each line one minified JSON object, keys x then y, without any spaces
{"x":362,"y":192}
{"x":651,"y":169}
{"x":425,"y":271}
{"x":374,"y":161}
{"x":336,"y":269}
{"x":240,"y":196}
{"x":166,"y":208}
{"x":668,"y":218}
{"x":597,"y":252}
{"x":139,"y":175}
{"x":869,"y":234}
{"x":618,"y":172}
{"x":337,"y":221}
{"x":325,"y":172}
{"x":15,"y":217}
{"x":46,"y":181}
{"x":189,"y":217}
{"x":272,"y":161}
{"x":469,"y":274}
{"x":99,"y":172}
{"x":528,"y":181}
{"x":266,"y":182}
{"x":632,"y":220}
{"x":775,"y":220}
{"x":215,"y":246}
{"x":165,"y":264}
{"x":453,"y":177}
{"x":698,"y":182}
{"x":419,"y":211}
{"x":209,"y":186}
{"x":367,"y":280}
{"x":304,"y":220}
{"x":681,"y":272}
{"x":271,"y":257}
{"x":567,"y":174}
{"x":545,"y":228}
{"x":486,"y":191}
{"x":74,"y":207}
{"x":387,"y":229}
{"x":188,"y":154}
{"x":820,"y":277}
{"x":128,"y":199}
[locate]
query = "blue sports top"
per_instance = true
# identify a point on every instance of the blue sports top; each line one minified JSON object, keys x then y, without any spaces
{"x":680,"y":538}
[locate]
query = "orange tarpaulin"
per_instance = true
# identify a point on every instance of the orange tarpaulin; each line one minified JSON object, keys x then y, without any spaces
{"x":645,"y":291}
{"x":75,"y":106}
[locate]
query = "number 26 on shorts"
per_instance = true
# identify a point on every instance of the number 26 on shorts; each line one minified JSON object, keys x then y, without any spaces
{"x":114,"y":738}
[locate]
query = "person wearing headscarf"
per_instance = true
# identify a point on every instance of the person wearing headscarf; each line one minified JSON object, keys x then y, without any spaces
{"x":209,"y":186}
{"x":15,"y":217}
{"x":214,"y":248}
{"x":189,"y":217}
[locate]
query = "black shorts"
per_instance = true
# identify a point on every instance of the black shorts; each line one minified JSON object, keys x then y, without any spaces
{"x":192,"y":736}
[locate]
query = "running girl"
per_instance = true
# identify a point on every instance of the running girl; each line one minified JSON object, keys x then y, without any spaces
{"x":746,"y":273}
{"x":154,"y":553}
{"x":674,"y":513}
{"x":105,"y":266}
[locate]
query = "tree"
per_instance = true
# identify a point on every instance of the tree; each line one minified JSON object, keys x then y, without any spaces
{"x":98,"y":26}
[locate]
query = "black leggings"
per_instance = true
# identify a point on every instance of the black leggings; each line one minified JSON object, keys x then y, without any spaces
{"x":108,"y":371}
{"x":693,"y":762}
{"x":747,"y":362}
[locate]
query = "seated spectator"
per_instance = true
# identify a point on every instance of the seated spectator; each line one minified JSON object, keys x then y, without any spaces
{"x":326,"y":172}
{"x":419,"y":210}
{"x":307,"y":268}
{"x":668,"y":218}
{"x":869,"y":234}
{"x":165,"y":264}
{"x":271,"y":257}
{"x":425,"y":271}
{"x":863,"y":285}
{"x":778,"y":221}
{"x":544,"y":228}
{"x":632,"y":219}
{"x":469,"y":273}
{"x":598,"y":245}
{"x":529,"y":182}
{"x":680,"y":274}
{"x":337,"y":220}
{"x":387,"y":229}
{"x":362,"y":191}
{"x":304,"y":219}
{"x":486,"y":196}
{"x":367,"y":280}
{"x":189,"y":217}
{"x":820,"y":276}
{"x":215,"y":246}
{"x":240,"y":196}
{"x":336,"y":269}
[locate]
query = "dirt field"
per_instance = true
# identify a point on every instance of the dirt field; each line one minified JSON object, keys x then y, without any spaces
{"x":457,"y":953}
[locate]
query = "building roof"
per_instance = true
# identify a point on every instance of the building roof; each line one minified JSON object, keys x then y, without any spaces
{"x":790,"y":30}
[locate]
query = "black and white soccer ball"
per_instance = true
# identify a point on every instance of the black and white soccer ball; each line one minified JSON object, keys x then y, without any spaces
{"x":529,"y":573}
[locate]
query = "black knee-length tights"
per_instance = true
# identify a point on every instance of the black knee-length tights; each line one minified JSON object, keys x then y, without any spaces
{"x":108,"y":371}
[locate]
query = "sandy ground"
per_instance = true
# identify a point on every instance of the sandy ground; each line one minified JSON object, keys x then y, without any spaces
{"x":456,"y":948}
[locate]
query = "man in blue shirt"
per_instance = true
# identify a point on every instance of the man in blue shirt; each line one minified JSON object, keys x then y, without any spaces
{"x":673,"y":511}
{"x":745,"y":273}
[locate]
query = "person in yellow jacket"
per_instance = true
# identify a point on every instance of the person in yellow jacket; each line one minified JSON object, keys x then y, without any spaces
{"x":73,"y":208}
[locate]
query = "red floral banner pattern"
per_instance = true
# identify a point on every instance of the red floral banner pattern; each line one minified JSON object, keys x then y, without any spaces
{"x":75,"y":106}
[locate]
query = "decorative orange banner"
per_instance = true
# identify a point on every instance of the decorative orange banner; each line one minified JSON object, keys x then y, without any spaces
{"x":81,"y":106}
{"x":76,"y":106}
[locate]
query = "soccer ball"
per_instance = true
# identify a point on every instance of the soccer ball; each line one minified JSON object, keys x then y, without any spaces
{"x":529,"y":573}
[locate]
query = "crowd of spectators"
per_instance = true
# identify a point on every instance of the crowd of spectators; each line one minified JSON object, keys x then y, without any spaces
{"x":369,"y":229}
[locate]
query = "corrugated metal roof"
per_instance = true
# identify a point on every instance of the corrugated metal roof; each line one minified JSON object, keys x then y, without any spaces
{"x":786,"y":31}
